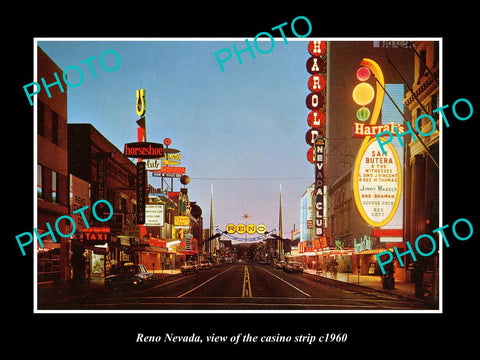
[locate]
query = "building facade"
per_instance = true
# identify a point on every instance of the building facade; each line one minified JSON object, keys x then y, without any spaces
{"x":422,"y":170}
{"x":111,"y":176}
{"x":347,"y":228}
{"x":52,"y":174}
{"x":351,"y":240}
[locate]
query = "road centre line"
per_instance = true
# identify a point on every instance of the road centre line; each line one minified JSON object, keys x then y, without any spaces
{"x":247,"y":289}
{"x":303,"y":292}
{"x":196,"y":287}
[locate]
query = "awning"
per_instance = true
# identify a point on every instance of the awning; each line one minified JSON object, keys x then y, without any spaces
{"x":148,"y":248}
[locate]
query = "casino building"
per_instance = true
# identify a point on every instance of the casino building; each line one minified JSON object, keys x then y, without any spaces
{"x":358,"y":233}
{"x":421,"y":172}
{"x":353,"y":231}
{"x":358,"y":195}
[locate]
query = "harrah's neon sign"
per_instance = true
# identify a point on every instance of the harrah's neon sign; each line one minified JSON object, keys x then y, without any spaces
{"x":146,"y":150}
{"x":362,"y":130}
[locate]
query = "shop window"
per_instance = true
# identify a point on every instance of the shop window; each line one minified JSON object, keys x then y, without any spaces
{"x":54,"y":186}
{"x":54,"y":127}
{"x":41,"y":119}
{"x":39,"y":181}
{"x":122,"y":203}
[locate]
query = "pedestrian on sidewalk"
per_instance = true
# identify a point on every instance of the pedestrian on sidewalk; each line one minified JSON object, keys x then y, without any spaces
{"x":388,"y":279}
{"x":335,"y":267}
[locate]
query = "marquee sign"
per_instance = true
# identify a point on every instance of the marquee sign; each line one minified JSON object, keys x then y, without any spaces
{"x":141,"y":191}
{"x":377,"y":183}
{"x":154,"y":215}
{"x":181,"y":222}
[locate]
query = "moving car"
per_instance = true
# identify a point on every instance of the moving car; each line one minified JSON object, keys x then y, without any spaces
{"x":293,"y":267}
{"x":205,"y":264}
{"x":129,"y":275}
{"x":189,"y":266}
{"x":280,"y":264}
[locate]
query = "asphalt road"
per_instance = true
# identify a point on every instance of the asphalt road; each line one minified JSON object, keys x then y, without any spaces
{"x":244,"y":287}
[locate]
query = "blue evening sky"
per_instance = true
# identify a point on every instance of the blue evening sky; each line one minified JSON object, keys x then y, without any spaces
{"x":242,"y":130}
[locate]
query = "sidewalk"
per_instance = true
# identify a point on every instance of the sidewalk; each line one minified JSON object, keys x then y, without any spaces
{"x":373,"y":282}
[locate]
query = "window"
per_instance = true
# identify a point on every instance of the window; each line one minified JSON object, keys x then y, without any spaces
{"x":54,"y":127}
{"x":122,"y":203}
{"x":41,"y":119}
{"x":39,"y":181}
{"x":54,"y":186}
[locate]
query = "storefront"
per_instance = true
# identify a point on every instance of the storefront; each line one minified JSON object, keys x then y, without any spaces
{"x":119,"y":252}
{"x":95,"y":242}
{"x":151,"y":252}
{"x":183,"y":250}
{"x":95,"y":257}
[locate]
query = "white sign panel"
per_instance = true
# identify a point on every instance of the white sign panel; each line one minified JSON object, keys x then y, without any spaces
{"x":153,"y":164}
{"x":377,"y":184}
{"x":154,"y":215}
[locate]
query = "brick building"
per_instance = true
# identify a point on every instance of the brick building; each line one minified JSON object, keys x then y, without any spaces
{"x":52,"y":173}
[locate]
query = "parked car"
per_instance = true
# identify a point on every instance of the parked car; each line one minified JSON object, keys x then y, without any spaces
{"x":280,"y":264}
{"x":128,"y":276}
{"x":205,"y":264}
{"x":189,"y":266}
{"x":293,"y":267}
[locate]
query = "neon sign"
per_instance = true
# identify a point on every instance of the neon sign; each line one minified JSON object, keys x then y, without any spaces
{"x":98,"y":235}
{"x":319,"y":175}
{"x":242,"y":228}
{"x":145,"y":150}
{"x":140,"y":106}
{"x":258,"y":238}
{"x":362,"y":130}
{"x":377,"y":183}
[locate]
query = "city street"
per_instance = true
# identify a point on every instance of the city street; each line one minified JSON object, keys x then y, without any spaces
{"x":242,"y":286}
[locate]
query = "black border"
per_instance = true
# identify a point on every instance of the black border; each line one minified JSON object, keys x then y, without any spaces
{"x":373,"y":334}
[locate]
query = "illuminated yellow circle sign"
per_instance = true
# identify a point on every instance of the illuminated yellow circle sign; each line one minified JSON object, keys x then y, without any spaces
{"x":242,"y":228}
{"x":363,"y":94}
{"x":251,"y":228}
{"x":377,"y":183}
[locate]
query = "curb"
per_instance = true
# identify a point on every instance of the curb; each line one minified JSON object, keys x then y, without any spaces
{"x":374,"y":289}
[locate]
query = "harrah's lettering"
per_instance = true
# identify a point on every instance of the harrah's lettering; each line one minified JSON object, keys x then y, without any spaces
{"x":144,"y":150}
{"x":362,"y":130}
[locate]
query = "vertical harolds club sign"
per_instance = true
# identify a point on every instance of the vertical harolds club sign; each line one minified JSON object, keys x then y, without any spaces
{"x":315,"y":136}
{"x":319,"y":162}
